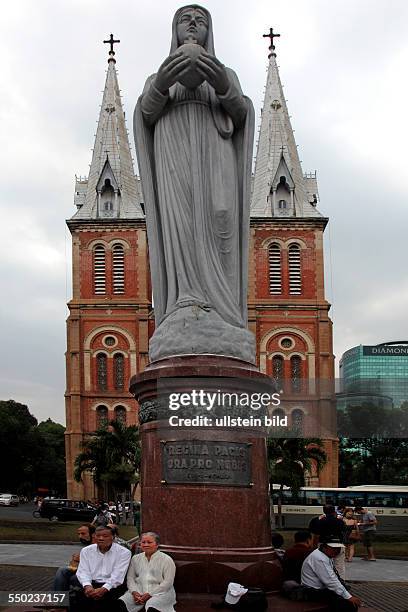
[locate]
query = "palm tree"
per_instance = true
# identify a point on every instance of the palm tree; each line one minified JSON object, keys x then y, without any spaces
{"x":112,"y":455}
{"x":289,"y":460}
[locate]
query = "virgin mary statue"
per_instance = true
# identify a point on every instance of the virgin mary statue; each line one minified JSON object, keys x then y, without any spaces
{"x":194,"y":147}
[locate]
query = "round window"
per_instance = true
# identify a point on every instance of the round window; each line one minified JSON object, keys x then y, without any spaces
{"x":109,"y":340}
{"x":286,"y":343}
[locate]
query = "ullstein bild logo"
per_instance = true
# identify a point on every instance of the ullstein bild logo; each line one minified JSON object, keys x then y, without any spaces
{"x":385,"y":350}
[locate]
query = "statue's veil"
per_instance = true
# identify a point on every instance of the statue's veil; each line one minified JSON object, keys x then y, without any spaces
{"x":209,"y":43}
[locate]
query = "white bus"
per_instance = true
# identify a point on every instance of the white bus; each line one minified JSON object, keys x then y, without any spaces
{"x":389,"y":504}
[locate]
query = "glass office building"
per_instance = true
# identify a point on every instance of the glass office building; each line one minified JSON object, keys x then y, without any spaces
{"x":381,"y":370}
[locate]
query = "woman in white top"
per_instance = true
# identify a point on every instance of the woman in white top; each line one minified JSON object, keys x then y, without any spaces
{"x":150,"y":578}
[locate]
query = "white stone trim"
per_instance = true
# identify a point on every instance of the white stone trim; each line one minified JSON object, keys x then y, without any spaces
{"x":287,"y":330}
{"x":98,"y":242}
{"x":121,"y":405}
{"x":270,"y":356}
{"x":296,"y":354}
{"x":103,"y":404}
{"x":119,"y":241}
{"x":109,"y":329}
{"x":266,"y":243}
{"x":297,"y":241}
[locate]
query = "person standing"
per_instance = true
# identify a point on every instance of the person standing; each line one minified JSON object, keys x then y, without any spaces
{"x":103,"y":517}
{"x":351,"y":533}
{"x":329,"y":526}
{"x":368,"y":524}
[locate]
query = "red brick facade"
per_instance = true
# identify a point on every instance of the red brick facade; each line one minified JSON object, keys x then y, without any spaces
{"x":127,"y":318}
{"x":302,"y":320}
{"x":107,"y":327}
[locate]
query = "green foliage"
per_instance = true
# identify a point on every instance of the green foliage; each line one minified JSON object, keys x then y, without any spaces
{"x":32,"y":455}
{"x":290,"y":459}
{"x":374,"y":445}
{"x":112,"y":456}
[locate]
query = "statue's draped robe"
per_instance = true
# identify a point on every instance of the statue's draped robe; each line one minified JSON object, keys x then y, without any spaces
{"x":195,"y":151}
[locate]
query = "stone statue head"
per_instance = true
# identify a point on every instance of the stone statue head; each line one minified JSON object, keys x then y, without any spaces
{"x":192,"y":21}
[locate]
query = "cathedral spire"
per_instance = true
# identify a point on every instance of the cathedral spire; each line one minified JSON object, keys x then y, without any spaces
{"x":279,"y":188}
{"x":111,"y":190}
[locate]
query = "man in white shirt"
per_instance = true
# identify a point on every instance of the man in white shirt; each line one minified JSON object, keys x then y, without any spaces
{"x":101,"y":572}
{"x":322,"y":581}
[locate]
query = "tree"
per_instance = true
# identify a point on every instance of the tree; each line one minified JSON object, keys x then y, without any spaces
{"x":17,"y":442}
{"x":32,"y":455}
{"x":374,"y":446}
{"x":289,"y":460}
{"x":112,"y":455}
{"x":50,"y":457}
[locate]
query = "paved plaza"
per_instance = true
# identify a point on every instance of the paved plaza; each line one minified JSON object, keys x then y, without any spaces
{"x":383,"y":586}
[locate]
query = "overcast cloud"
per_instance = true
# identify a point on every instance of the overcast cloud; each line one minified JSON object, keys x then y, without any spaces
{"x":344,"y":68}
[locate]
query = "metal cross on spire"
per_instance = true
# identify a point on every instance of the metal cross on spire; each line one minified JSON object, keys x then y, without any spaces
{"x":271,"y":36}
{"x":111,"y":42}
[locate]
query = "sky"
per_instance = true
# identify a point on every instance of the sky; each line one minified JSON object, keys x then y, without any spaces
{"x":343,"y":65}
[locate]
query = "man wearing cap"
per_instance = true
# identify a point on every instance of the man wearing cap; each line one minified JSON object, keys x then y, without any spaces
{"x":329,"y":527}
{"x":322,"y":581}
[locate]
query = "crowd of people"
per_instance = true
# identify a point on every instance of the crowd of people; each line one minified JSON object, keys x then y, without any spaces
{"x":105,"y":576}
{"x":314,"y":567}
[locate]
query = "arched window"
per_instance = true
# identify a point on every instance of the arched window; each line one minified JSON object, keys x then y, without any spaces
{"x":120,"y":414}
{"x":278,"y":412}
{"x":277,"y":368}
{"x":101,"y":417}
{"x":296,"y":372}
{"x":107,"y":198}
{"x":99,"y":266}
{"x":298,"y":421}
{"x":101,"y":371}
{"x":275,"y":269}
{"x":119,"y":371}
{"x":295,"y":272}
{"x":118,"y":262}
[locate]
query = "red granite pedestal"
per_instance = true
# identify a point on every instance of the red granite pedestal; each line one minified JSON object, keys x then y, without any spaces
{"x":216,"y":533}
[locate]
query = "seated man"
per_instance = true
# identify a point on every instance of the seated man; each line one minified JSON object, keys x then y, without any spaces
{"x":150,"y":579}
{"x":295,"y":555}
{"x":327,"y":527}
{"x":277,"y":543}
{"x":322,"y":581}
{"x":101,"y":573}
{"x":86,"y":536}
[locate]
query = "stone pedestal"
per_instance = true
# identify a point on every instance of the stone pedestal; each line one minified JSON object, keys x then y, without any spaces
{"x":216,"y":533}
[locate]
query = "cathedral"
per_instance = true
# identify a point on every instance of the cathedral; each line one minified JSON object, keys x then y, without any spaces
{"x":111,"y":314}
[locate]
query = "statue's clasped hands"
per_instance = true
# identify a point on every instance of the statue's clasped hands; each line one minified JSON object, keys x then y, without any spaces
{"x":213,"y":72}
{"x":171,"y":70}
{"x":177,"y":64}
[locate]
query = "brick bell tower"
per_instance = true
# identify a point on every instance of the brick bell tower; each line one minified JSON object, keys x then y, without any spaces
{"x":288,"y":311}
{"x":107,"y":327}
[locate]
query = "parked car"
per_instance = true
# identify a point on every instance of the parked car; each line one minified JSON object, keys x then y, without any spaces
{"x":66,"y":510}
{"x":8,"y":499}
